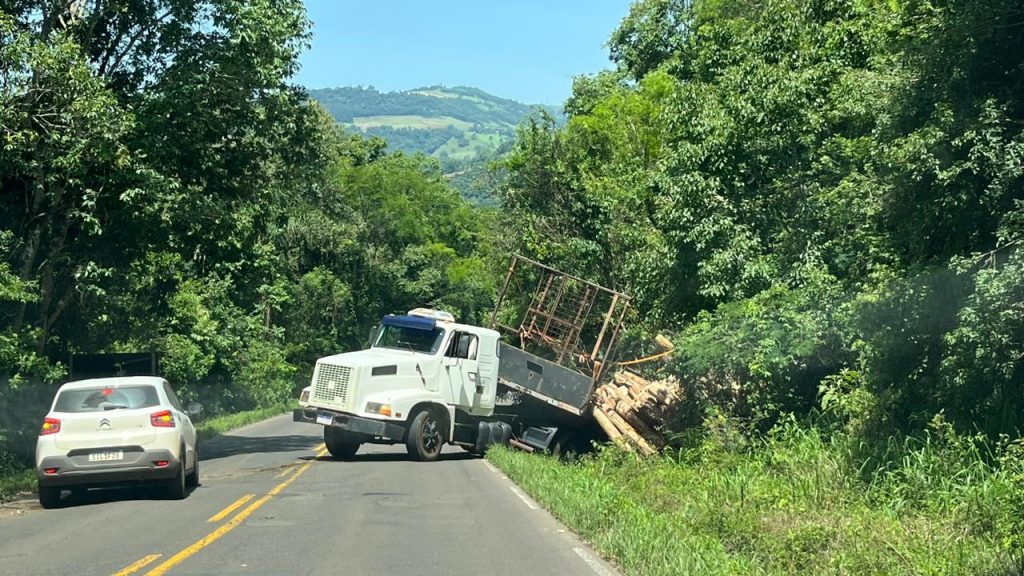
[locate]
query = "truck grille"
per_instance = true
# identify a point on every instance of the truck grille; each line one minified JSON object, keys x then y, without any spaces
{"x":333,"y":384}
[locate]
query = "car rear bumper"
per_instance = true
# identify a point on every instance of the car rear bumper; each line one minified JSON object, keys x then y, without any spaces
{"x":137,"y":466}
{"x":357,"y":424}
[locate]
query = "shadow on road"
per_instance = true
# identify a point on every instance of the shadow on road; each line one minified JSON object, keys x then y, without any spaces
{"x":228,"y":445}
{"x":392,"y":457}
{"x":91,"y":497}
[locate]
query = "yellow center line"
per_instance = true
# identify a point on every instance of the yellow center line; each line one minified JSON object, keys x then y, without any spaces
{"x":223,"y":513}
{"x":320,"y":450}
{"x":137,"y":565}
{"x":231,"y":524}
{"x":287,"y":470}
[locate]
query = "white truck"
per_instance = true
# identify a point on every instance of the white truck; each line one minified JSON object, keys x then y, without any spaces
{"x":427,"y":380}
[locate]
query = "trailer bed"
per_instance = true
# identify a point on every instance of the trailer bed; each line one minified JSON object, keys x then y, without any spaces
{"x":544,"y":380}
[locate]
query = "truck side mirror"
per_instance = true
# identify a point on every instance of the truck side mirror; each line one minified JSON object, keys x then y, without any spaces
{"x":194,"y":409}
{"x":372,"y":339}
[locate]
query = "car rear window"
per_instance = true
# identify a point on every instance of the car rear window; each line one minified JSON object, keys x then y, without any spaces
{"x":102,"y":398}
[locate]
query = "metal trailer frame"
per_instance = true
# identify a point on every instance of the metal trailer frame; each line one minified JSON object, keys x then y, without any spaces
{"x":557,"y":318}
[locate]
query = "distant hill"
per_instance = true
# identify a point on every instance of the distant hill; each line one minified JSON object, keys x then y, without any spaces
{"x":460,"y":126}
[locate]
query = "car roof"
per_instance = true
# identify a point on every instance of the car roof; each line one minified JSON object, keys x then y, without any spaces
{"x":113,"y":382}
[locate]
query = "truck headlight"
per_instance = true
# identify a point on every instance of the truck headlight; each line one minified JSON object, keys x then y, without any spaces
{"x":378,"y":408}
{"x":304,"y":396}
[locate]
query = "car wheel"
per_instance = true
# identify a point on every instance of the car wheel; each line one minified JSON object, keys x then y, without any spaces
{"x":192,"y":480}
{"x":176,"y":489}
{"x":423,"y":441}
{"x":49,"y":497}
{"x":342,"y":445}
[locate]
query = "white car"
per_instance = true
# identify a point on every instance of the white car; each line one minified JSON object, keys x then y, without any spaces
{"x":111,"y":431}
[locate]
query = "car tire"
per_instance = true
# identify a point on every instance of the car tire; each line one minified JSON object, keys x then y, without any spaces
{"x":49,"y":497}
{"x":192,"y":480}
{"x":176,"y":489}
{"x":423,"y":441}
{"x":341,"y":444}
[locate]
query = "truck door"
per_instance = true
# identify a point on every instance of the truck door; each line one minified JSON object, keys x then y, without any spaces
{"x":461,"y":368}
{"x":487,"y":381}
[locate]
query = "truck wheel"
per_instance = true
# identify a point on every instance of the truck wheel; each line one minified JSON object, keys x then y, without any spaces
{"x":424,"y":439}
{"x":341,"y":445}
{"x":564,"y":445}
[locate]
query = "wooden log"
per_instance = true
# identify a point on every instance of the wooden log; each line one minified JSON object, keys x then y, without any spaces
{"x":654,"y":416}
{"x":610,"y":429}
{"x":609,"y":403}
{"x":663,"y":393}
{"x":631,"y":391}
{"x":646,"y":400}
{"x":630,"y":415}
{"x":629,"y":432}
{"x":606,"y":424}
{"x":633,"y":380}
{"x":622,"y":393}
{"x":664,"y":342}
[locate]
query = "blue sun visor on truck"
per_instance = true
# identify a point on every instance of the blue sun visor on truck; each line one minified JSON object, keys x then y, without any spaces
{"x":414,"y":322}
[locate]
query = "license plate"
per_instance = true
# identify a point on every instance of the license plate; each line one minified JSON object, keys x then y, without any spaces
{"x":106,"y":456}
{"x":325,"y":419}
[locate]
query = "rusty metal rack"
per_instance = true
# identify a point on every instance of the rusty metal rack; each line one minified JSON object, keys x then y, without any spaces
{"x":566,"y":319}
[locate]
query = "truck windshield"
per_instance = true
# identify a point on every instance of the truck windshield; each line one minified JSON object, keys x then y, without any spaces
{"x":416,"y":340}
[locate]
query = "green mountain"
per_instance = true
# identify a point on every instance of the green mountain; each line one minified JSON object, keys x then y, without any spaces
{"x":460,"y":126}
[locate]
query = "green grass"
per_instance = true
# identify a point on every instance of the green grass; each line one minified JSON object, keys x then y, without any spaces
{"x":18,"y":479}
{"x":435,"y":93}
{"x":477,"y":143}
{"x":218,"y":425}
{"x":788,"y":505}
{"x":410,"y":121}
{"x":14,"y":481}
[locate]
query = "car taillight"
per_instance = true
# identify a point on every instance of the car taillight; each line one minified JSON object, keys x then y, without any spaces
{"x":50,"y":426}
{"x":162,"y":419}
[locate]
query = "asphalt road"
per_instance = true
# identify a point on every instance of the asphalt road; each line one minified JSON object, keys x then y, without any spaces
{"x":271,"y":502}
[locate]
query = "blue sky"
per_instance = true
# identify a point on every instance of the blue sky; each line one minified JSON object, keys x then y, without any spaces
{"x":527,"y":50}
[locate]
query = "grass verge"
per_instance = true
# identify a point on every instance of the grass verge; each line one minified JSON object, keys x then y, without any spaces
{"x":786,"y":506}
{"x":18,"y":479}
{"x":208,"y":429}
{"x":14,"y":481}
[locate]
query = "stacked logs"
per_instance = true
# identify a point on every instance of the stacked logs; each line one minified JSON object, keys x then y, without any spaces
{"x":631,"y":409}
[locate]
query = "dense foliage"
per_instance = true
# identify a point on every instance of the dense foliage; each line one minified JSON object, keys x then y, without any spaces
{"x":810,"y":193}
{"x":164,"y":188}
{"x":823,"y":200}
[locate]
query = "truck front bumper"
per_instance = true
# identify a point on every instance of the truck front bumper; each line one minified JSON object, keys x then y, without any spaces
{"x":351,"y":423}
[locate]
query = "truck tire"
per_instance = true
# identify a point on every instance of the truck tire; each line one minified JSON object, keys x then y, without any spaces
{"x":341,"y":444}
{"x":423,"y":441}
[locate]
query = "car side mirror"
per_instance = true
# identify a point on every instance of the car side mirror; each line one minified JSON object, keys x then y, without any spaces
{"x":195,"y":409}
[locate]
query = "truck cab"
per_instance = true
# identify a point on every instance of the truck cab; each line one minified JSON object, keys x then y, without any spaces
{"x":422,"y":376}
